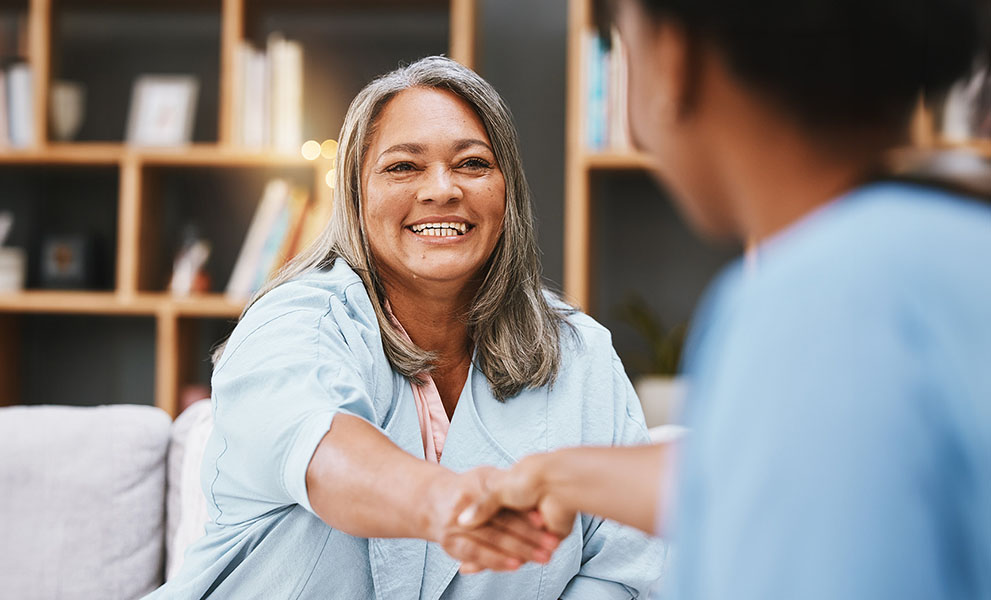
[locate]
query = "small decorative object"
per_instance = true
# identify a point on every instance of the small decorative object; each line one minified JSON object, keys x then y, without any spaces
{"x":188,"y":276}
{"x":12,"y":260}
{"x":162,"y":110}
{"x":68,"y":262}
{"x":67,"y":107}
{"x":967,"y":111}
{"x":660,"y":389}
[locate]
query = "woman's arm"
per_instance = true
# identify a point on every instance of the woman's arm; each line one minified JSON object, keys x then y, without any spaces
{"x":361,"y":483}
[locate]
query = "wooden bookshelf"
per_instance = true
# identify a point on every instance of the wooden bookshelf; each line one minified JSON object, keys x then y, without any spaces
{"x":137,"y":291}
{"x":583,"y":164}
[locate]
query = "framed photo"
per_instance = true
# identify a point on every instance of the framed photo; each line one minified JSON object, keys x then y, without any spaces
{"x":162,"y":110}
{"x":68,"y":262}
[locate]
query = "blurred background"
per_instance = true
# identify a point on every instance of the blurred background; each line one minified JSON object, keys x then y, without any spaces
{"x":160,"y":158}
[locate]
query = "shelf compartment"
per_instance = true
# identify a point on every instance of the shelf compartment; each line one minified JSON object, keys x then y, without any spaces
{"x":60,"y":201}
{"x":99,"y":359}
{"x":346,"y":45}
{"x":130,"y":39}
{"x":219,"y":202}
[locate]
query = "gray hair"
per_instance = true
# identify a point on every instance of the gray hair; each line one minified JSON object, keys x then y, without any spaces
{"x":515,"y":329}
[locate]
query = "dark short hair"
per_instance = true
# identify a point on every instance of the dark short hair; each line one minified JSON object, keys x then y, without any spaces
{"x":838,"y":62}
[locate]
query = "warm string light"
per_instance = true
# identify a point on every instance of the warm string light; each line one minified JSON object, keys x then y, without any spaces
{"x":329,"y":178}
{"x":328,"y":149}
{"x":310,"y":149}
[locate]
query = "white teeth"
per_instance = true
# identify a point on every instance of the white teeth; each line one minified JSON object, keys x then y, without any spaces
{"x":440,"y":229}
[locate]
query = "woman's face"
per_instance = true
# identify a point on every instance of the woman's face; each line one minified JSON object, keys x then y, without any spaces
{"x":434,"y":197}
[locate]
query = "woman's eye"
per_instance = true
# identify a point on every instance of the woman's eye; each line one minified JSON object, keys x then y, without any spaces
{"x":400,"y":168}
{"x":476,"y":163}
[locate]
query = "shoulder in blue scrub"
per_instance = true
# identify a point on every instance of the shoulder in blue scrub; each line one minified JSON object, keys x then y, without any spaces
{"x":841,"y":407}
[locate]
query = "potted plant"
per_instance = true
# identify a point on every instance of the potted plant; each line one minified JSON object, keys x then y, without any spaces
{"x":659,"y":387}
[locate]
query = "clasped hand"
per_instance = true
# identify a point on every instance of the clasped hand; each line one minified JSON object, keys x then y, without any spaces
{"x":501,"y":519}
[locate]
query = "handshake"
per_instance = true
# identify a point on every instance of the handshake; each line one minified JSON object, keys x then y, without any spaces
{"x":499,"y":519}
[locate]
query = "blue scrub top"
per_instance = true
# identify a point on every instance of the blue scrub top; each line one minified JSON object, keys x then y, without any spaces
{"x":841,"y":407}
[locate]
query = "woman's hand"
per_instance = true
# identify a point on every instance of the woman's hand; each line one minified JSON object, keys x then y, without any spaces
{"x":522,"y":488}
{"x":504,"y":541}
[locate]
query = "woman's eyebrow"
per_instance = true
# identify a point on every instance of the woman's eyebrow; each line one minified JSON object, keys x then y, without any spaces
{"x":468,"y":143}
{"x":407,"y":147}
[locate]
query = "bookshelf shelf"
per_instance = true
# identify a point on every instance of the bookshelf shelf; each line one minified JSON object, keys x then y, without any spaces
{"x":142,"y":198}
{"x":109,"y":153}
{"x":977,"y":146}
{"x":113,"y":303}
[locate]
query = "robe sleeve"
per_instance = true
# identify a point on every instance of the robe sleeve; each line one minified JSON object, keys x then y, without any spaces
{"x":275,"y":394}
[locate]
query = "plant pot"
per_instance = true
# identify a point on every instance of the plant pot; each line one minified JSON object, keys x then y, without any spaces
{"x":661,"y":398}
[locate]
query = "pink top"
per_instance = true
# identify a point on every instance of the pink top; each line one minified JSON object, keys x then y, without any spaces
{"x":429,"y":407}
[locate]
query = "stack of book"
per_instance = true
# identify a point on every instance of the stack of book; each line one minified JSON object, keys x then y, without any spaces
{"x":285,"y":223}
{"x":16,"y":106}
{"x":607,"y":122}
{"x":268,"y":97}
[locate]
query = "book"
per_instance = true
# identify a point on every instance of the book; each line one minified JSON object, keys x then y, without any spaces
{"x":252,"y":121}
{"x":619,"y":120}
{"x":244,"y":275}
{"x":285,"y":64}
{"x":299,"y":212}
{"x":4,"y":130}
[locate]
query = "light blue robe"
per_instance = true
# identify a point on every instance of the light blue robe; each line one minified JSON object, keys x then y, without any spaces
{"x":310,"y":349}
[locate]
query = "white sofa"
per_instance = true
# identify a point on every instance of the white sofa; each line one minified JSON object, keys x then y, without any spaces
{"x":97,"y":502}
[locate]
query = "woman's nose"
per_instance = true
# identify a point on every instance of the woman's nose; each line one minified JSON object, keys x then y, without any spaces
{"x":438,"y":185}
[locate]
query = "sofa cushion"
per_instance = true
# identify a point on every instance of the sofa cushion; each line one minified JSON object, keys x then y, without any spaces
{"x":82,"y":501}
{"x":186,"y":512}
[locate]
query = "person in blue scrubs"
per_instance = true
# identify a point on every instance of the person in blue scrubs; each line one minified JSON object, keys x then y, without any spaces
{"x":367,"y":394}
{"x":840,"y":380}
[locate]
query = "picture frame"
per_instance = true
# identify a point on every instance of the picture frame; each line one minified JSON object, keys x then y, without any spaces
{"x":68,"y":261}
{"x":163,"y":108}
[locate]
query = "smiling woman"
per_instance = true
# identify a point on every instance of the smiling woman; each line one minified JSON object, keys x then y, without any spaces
{"x":369,"y":389}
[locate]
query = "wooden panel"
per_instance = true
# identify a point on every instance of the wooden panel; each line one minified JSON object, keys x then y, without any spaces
{"x":577,"y":233}
{"x":110,"y":303}
{"x":464,"y":15}
{"x":39,"y":47}
{"x":231,"y":35}
{"x":58,"y":302}
{"x":617,"y":161}
{"x":64,"y":154}
{"x":10,"y":365}
{"x":167,"y":362}
{"x":128,"y":228}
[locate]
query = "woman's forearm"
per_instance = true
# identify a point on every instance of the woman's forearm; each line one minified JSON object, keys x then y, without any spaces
{"x":619,"y":483}
{"x":361,"y":483}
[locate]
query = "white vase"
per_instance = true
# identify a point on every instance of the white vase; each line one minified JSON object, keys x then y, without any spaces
{"x":661,"y":398}
{"x":67,"y":108}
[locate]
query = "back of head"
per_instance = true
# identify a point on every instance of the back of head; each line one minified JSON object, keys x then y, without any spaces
{"x":839,"y":63}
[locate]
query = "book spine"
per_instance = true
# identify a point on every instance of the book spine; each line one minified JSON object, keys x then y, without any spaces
{"x":4,"y":113}
{"x":619,"y":121}
{"x":268,"y":261}
{"x":242,"y":278}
